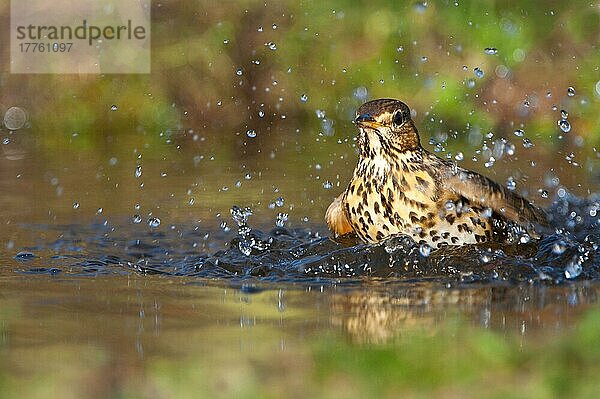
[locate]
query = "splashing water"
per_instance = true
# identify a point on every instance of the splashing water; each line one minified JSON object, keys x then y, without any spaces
{"x":570,"y":251}
{"x":247,"y":242}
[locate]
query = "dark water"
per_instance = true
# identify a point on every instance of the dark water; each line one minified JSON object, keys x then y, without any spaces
{"x":305,"y":256}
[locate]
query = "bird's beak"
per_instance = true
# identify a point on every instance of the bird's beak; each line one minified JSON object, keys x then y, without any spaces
{"x":366,"y":120}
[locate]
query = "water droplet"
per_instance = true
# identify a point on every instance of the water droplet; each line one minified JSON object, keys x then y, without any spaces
{"x":424,"y":250}
{"x":564,"y":125}
{"x":502,"y":71}
{"x":303,"y":98}
{"x":15,"y":118}
{"x":114,"y":107}
{"x":327,"y":125}
{"x":138,"y":171}
{"x":360,"y":93}
{"x":225,"y":41}
{"x":564,"y":114}
{"x":239,"y":72}
{"x":525,"y":238}
{"x":6,"y":141}
{"x":510,"y":149}
{"x":490,"y":51}
{"x":421,"y":6}
{"x":527,"y":143}
{"x":470,"y":83}
{"x":559,"y":247}
{"x":251,"y":133}
{"x":519,"y":133}
{"x":261,"y":113}
{"x":240,"y":215}
{"x":574,"y":268}
{"x":400,"y":49}
{"x":281,"y":219}
{"x":424,"y":59}
{"x":245,"y":247}
{"x":136,"y":219}
{"x":459,"y":156}
{"x":327,"y":185}
{"x":25,"y":255}
{"x":570,"y":91}
{"x":75,"y":205}
{"x":99,"y":211}
{"x":478,"y":72}
{"x":320,"y":113}
{"x":153,"y":222}
{"x":272,"y":46}
{"x":224,"y":226}
{"x":248,"y":176}
{"x":510,"y":183}
{"x":279,"y":201}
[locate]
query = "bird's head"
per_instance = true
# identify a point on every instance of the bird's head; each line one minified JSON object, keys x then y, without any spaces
{"x":385,"y":124}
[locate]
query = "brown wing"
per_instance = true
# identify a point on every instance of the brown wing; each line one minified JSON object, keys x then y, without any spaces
{"x":336,"y":217}
{"x":480,"y":190}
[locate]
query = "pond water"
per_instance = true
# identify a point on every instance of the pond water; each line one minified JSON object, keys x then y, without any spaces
{"x":115,"y":284}
{"x":163,"y":235}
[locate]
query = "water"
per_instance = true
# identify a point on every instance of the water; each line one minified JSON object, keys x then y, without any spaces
{"x":301,"y":255}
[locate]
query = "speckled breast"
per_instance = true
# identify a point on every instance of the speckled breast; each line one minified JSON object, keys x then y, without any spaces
{"x":407,"y":200}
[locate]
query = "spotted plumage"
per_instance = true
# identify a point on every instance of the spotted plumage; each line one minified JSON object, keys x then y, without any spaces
{"x":400,"y":188}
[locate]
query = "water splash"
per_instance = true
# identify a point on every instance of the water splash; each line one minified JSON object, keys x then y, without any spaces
{"x":247,"y":242}
{"x":568,"y":251}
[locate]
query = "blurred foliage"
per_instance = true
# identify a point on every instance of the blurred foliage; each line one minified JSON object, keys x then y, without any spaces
{"x":215,"y":66}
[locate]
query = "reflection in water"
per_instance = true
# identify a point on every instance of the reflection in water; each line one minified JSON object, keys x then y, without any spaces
{"x":107,"y":336}
{"x":384,"y":313}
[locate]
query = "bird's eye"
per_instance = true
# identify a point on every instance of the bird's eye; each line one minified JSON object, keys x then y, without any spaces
{"x":398,"y":118}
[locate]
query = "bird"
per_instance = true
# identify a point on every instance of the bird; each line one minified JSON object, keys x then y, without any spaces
{"x":400,"y":188}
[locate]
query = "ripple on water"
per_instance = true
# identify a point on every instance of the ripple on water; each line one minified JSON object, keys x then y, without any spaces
{"x":301,"y":255}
